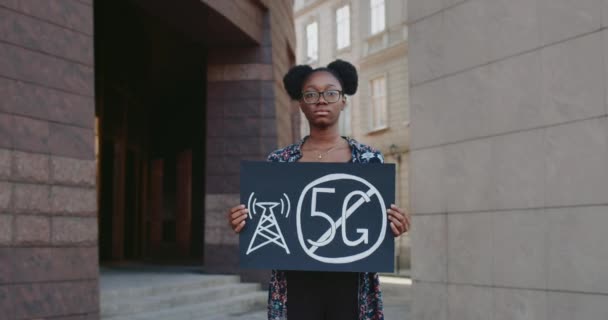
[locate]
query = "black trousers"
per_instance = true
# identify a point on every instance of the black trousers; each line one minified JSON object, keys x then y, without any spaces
{"x":322,"y":295}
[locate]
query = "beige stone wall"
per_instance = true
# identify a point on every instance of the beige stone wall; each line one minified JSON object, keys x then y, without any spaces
{"x":509,"y":159}
{"x":397,"y":132}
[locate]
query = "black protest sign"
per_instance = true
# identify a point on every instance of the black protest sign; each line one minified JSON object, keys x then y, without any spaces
{"x":317,"y":216}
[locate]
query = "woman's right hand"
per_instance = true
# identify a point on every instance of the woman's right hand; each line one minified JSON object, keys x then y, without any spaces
{"x":237,"y":217}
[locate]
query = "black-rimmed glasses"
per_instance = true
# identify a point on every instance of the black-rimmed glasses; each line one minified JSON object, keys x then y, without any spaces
{"x":330,"y":96}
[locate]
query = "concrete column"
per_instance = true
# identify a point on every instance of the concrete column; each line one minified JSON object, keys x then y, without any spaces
{"x":241,"y":125}
{"x":248,"y":116}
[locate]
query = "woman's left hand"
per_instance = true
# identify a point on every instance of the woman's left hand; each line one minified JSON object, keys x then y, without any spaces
{"x":400,"y":220}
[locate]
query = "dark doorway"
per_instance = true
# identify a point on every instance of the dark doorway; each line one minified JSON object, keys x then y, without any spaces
{"x":150,"y":90}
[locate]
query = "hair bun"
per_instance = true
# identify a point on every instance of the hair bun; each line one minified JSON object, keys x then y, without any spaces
{"x":294,"y":79}
{"x":347,"y":74}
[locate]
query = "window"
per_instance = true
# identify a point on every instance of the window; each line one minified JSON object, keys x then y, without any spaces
{"x":312,"y":41}
{"x":343,"y":27}
{"x":377,"y":12}
{"x":378,"y":101}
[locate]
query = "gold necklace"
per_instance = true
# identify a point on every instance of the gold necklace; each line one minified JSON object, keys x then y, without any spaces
{"x":320,"y":155}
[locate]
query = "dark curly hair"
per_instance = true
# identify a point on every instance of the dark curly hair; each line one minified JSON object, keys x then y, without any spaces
{"x":344,"y":71}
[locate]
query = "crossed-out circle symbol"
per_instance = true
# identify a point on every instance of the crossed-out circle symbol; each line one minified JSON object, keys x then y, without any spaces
{"x":372,"y":191}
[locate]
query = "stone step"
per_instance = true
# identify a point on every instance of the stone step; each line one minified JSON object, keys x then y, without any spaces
{"x":203,"y":311}
{"x":176,"y":298}
{"x":152,"y":285}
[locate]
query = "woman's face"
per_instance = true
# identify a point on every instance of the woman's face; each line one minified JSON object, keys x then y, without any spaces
{"x":322,"y":114}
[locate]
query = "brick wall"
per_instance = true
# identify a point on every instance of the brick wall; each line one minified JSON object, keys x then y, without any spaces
{"x":48,"y":223}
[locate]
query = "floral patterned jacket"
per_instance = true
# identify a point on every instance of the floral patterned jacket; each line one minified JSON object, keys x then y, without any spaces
{"x":370,"y":297}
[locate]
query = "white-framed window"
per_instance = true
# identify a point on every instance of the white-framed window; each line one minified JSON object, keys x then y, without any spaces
{"x":378,"y":116}
{"x":343,"y":27}
{"x":312,"y":41}
{"x":378,"y":22}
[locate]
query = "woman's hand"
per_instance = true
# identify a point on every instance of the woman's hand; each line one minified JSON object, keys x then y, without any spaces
{"x":400,"y":220}
{"x":237,"y":217}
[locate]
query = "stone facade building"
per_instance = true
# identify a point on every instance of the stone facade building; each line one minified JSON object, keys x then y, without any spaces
{"x":371,"y":34}
{"x":122,"y":124}
{"x":509,"y":160}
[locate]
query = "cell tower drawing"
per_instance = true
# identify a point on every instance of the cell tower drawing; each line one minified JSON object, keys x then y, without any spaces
{"x":267,"y":231}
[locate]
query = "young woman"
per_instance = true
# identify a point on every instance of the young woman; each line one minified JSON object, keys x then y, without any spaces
{"x":308,"y":295}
